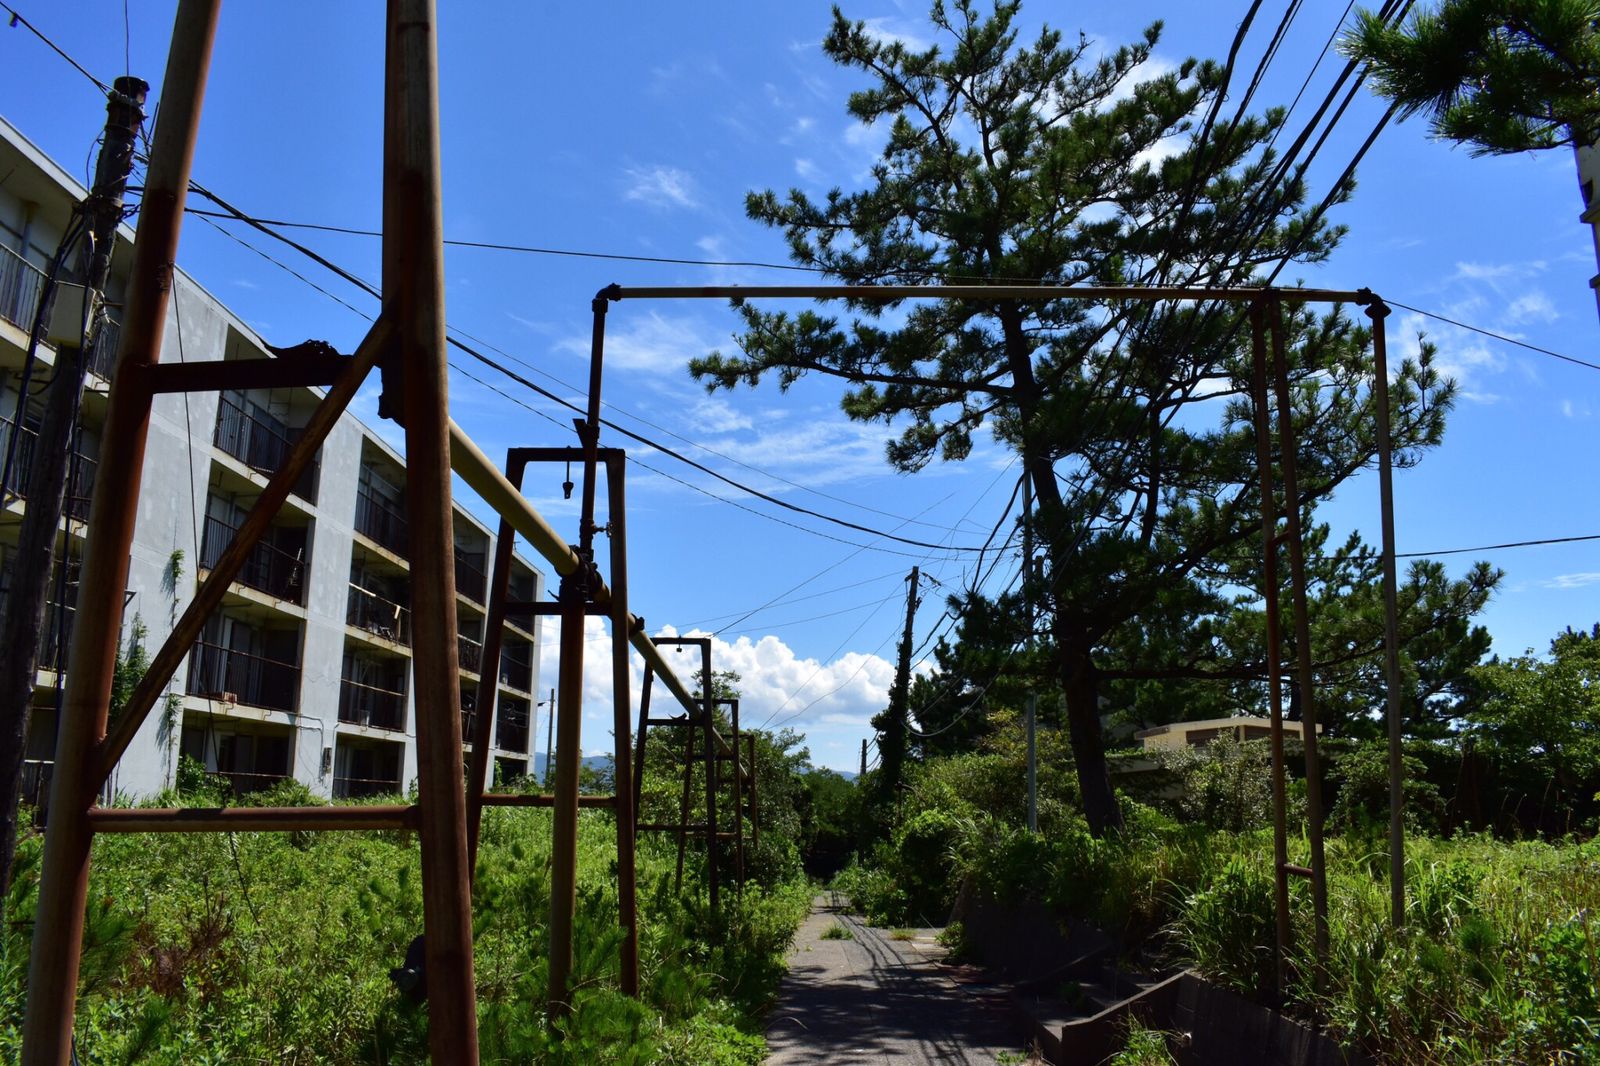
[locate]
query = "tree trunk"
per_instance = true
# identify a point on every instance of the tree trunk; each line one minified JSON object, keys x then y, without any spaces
{"x":1080,"y":686}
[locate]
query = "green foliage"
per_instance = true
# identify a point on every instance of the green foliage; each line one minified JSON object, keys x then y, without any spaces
{"x":1500,"y":75}
{"x":1227,"y":927}
{"x":133,"y":659}
{"x":1226,"y":784}
{"x":1008,"y":158}
{"x":1142,"y":1047}
{"x":1362,"y":776}
{"x":1539,"y":720}
{"x":208,"y":949}
{"x":837,"y":931}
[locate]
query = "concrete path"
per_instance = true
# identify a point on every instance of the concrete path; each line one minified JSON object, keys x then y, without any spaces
{"x":879,"y":1000}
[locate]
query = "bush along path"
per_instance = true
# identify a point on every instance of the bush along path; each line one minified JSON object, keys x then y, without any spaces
{"x":856,"y":994}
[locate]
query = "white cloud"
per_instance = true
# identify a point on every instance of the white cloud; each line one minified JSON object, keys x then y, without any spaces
{"x":660,"y":186}
{"x":777,"y":687}
{"x":1531,"y":306}
{"x":889,"y":29}
{"x":1573,"y":581}
{"x":651,"y":341}
{"x":807,"y":170}
{"x":1576,"y":410}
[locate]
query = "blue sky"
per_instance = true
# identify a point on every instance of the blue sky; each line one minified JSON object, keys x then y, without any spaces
{"x":637,"y":129}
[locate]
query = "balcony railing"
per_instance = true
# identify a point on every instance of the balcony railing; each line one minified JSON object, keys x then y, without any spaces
{"x":469,"y":653}
{"x":470,"y":578}
{"x":381,"y":617}
{"x":378,"y":519}
{"x":36,"y":774}
{"x":369,"y":705}
{"x":469,"y":716}
{"x":269,"y":569}
{"x":21,"y":284}
{"x":103,"y":352}
{"x":516,"y":667}
{"x":361,"y":787}
{"x":244,"y":782}
{"x":224,"y":673}
{"x":81,"y":472}
{"x":262,"y":444}
{"x":511,"y":728}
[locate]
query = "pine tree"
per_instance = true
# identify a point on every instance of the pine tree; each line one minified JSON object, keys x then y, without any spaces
{"x":1038,"y":163}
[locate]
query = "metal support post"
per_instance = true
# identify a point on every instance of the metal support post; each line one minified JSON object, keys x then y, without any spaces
{"x":64,"y":880}
{"x":709,"y":726}
{"x":622,"y":761}
{"x":489,"y":669}
{"x":1304,"y":675}
{"x":413,"y":301}
{"x":1378,"y":312}
{"x":1269,"y":593}
{"x":1033,"y":699}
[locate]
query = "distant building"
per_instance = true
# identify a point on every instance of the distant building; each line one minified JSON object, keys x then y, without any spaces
{"x":1180,"y":735}
{"x":305,"y":670}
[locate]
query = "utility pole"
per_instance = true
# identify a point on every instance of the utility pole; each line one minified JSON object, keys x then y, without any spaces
{"x":64,"y":873}
{"x":25,"y":608}
{"x":1033,"y":697}
{"x":863,"y":757}
{"x":549,"y":742}
{"x":892,"y":746}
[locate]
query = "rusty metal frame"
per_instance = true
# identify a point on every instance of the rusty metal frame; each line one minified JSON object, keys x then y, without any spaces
{"x":498,"y":607}
{"x":715,"y":750}
{"x":409,"y":340}
{"x":1269,"y":381}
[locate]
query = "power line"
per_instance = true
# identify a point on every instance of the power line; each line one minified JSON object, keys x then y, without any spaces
{"x":17,"y":19}
{"x":1497,"y":336}
{"x":551,"y":396}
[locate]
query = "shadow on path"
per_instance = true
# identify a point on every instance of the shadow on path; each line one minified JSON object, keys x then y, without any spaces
{"x":876,"y":999}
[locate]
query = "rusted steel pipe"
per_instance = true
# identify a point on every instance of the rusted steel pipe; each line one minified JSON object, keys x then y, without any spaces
{"x":414,"y":303}
{"x":250,"y":819}
{"x":1304,"y":674}
{"x":976,"y":292}
{"x":64,"y":879}
{"x":484,"y":478}
{"x":1269,"y":593}
{"x":622,"y":758}
{"x":489,"y":672}
{"x":517,"y":799}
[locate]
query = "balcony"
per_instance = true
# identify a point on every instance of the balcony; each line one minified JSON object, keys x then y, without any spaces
{"x":469,"y":716}
{"x":21,"y":284}
{"x":379,"y":616}
{"x":511,"y":726}
{"x":243,"y":782}
{"x":80,"y":472}
{"x":381,"y":521}
{"x":103,"y":352}
{"x":365,"y":787}
{"x":516,"y":666}
{"x":469,"y":653}
{"x":237,"y":677}
{"x":371,"y":705}
{"x":268,"y":569}
{"x":470,"y":578}
{"x":259,"y":441}
{"x":36,"y":774}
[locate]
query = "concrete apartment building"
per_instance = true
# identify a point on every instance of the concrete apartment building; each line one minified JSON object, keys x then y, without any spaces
{"x":305,"y":671}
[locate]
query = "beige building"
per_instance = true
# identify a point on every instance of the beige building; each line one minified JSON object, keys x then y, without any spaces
{"x":1180,"y":735}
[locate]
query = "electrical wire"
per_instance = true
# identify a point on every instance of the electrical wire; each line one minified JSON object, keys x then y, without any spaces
{"x":18,"y":19}
{"x":1496,"y":336}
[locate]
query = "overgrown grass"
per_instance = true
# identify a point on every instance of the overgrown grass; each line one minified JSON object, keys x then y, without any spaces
{"x":276,"y":948}
{"x":1498,"y":961}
